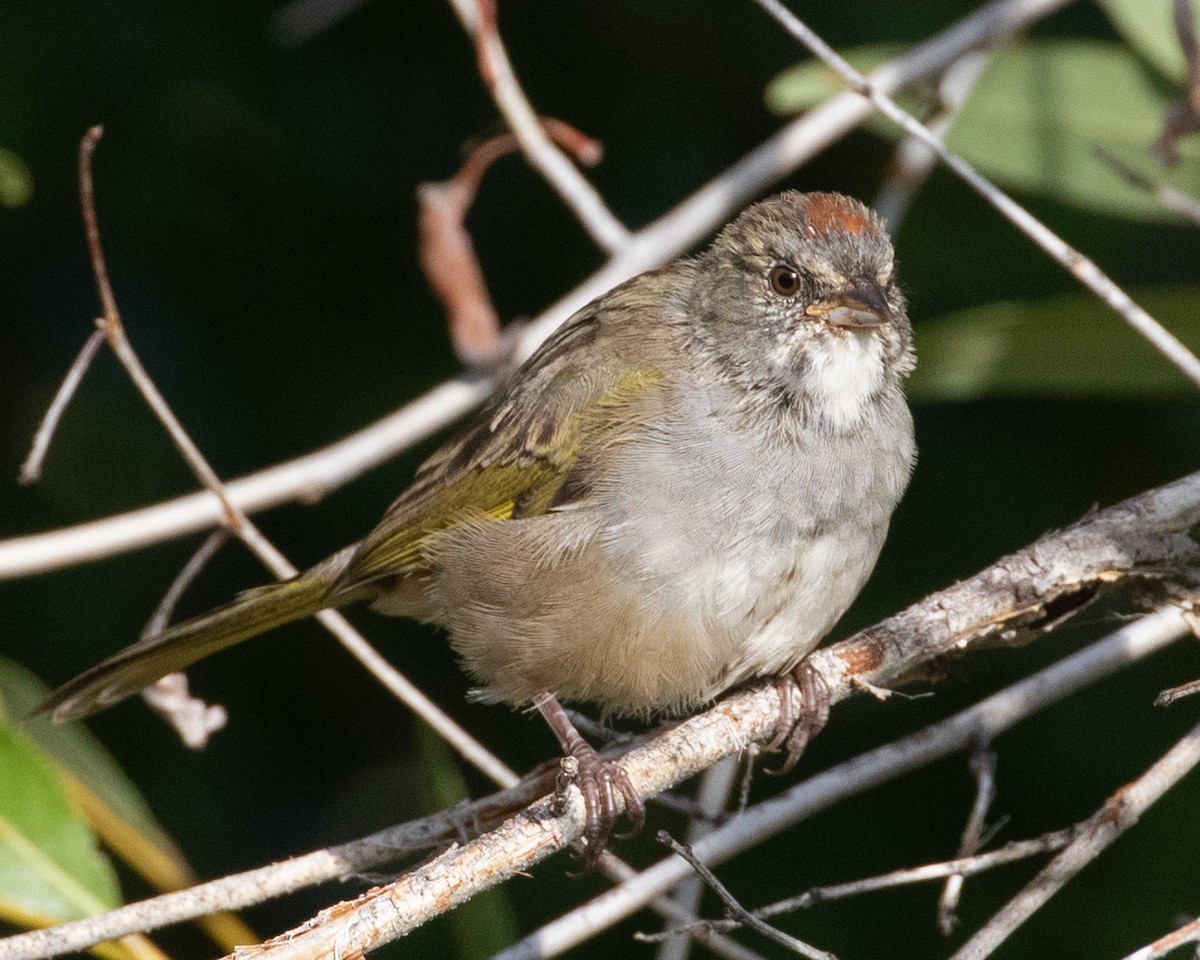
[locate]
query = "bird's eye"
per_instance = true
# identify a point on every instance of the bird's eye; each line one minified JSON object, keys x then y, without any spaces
{"x":785,"y":281}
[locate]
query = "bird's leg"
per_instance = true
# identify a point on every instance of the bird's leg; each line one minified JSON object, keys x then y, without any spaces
{"x":792,"y":730}
{"x":599,"y":781}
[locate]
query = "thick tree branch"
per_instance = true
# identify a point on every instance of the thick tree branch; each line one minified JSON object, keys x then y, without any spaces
{"x":1143,"y":541}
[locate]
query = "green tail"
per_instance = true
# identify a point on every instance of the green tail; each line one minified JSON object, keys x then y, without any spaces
{"x":138,"y":665}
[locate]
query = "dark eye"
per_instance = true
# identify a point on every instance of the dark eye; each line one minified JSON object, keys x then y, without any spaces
{"x":784,"y":280}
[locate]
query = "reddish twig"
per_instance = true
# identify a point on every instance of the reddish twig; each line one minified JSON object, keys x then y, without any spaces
{"x":447,"y":254}
{"x":479,"y":19}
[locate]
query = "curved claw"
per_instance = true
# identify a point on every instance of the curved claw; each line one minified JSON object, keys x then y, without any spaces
{"x":792,"y":730}
{"x":599,"y":781}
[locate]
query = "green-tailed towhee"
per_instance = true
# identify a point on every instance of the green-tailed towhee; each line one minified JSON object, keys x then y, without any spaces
{"x":682,"y":489}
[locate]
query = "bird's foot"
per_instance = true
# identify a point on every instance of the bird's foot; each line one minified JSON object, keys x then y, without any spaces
{"x":794,"y":731}
{"x":599,"y":780}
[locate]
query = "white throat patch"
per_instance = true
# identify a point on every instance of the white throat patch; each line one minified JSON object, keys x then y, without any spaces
{"x":843,"y":372}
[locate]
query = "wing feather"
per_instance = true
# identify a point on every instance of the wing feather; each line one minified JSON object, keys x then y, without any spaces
{"x":514,"y":459}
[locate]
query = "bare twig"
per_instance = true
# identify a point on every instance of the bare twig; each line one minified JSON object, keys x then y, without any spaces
{"x":1120,"y":812}
{"x":983,"y":769}
{"x":735,"y":909}
{"x":197,"y":562}
{"x":1082,"y":268}
{"x":448,"y":257}
{"x":1013,"y":852}
{"x":912,"y":161}
{"x":309,"y":477}
{"x":1168,"y":697}
{"x":31,"y":469}
{"x":479,"y":20}
{"x":990,"y":717}
{"x":712,"y":798}
{"x":234,"y":517}
{"x":1188,"y":933}
{"x":1171,"y":199}
{"x":194,"y":720}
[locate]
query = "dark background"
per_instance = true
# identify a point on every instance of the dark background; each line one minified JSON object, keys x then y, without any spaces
{"x":257,"y":204}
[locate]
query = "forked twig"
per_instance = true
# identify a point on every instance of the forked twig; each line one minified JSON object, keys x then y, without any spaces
{"x":194,"y":720}
{"x":447,"y":254}
{"x":234,"y":517}
{"x":735,"y":909}
{"x":1120,"y":812}
{"x":983,"y":769}
{"x":1013,"y":852}
{"x":478,"y":17}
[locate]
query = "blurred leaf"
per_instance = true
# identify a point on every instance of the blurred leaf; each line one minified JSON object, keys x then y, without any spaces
{"x":806,"y":84}
{"x":1070,"y":346}
{"x":49,"y":861}
{"x":109,"y":802}
{"x":485,"y":924}
{"x":74,"y":748}
{"x":1149,"y":27}
{"x":16,"y":182}
{"x":1040,"y":110}
{"x":1036,"y":116}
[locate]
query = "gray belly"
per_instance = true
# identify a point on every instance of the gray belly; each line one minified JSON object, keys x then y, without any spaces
{"x":691,"y":565}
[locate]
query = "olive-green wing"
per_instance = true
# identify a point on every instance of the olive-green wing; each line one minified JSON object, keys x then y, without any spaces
{"x":516,"y":457}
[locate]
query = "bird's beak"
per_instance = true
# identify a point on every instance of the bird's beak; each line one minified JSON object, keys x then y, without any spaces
{"x":861,"y":303}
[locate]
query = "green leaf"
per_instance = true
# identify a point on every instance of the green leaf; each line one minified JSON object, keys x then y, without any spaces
{"x":1071,"y":346}
{"x":486,"y":923}
{"x":1036,"y":117}
{"x":1039,"y":112}
{"x":1149,"y":27}
{"x":49,"y":862}
{"x":805,"y":85}
{"x":16,"y":182}
{"x":77,"y":751}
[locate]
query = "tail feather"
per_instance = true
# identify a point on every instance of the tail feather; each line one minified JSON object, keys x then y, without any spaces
{"x":138,"y":665}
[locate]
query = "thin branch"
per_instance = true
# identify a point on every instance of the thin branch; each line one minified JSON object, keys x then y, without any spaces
{"x":310,"y":477}
{"x":235,"y":518}
{"x":1168,"y":697}
{"x":194,"y":720}
{"x":983,"y":769}
{"x":735,"y":909}
{"x":989,"y":717}
{"x":1171,"y":199}
{"x":447,"y":254}
{"x":31,"y":469}
{"x":1082,"y":268}
{"x":1120,"y":812}
{"x":1013,"y":852}
{"x":1188,"y":933}
{"x":478,"y":18}
{"x":912,"y":161}
{"x":712,"y":799}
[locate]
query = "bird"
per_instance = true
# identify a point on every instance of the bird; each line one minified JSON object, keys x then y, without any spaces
{"x":681,"y":490}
